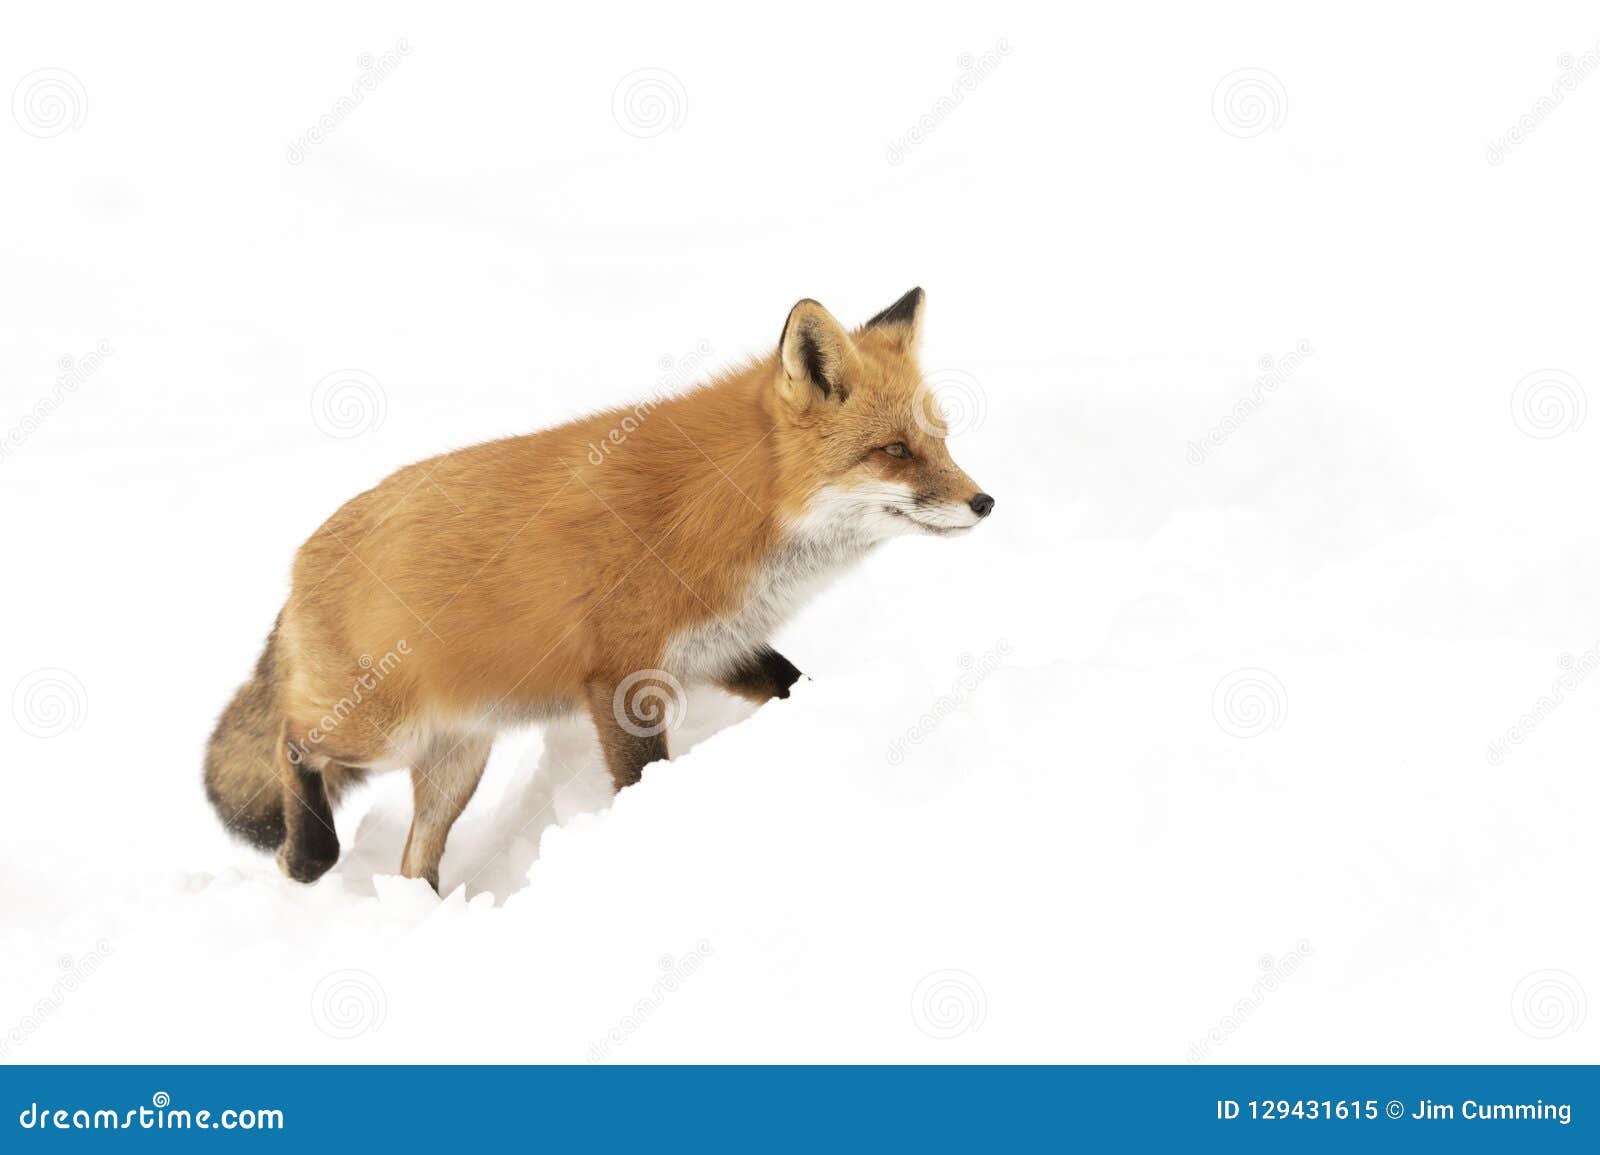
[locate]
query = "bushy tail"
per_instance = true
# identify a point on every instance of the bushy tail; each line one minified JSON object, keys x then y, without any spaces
{"x":242,"y":757}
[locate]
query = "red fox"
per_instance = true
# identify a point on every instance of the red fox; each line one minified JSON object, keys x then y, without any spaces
{"x":597,"y":565}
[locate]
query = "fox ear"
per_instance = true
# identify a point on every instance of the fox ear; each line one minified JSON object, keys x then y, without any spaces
{"x":904,"y":316}
{"x":815,"y":352}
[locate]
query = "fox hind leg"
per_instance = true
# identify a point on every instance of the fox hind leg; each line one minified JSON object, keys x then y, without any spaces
{"x":310,"y":845}
{"x":442,"y":783}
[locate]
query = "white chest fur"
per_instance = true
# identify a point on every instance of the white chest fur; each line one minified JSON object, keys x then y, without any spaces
{"x":803,"y":564}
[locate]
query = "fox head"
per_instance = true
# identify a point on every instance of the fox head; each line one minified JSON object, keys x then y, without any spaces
{"x":860,"y":438}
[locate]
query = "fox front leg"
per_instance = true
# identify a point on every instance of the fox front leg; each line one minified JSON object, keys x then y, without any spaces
{"x":442,"y":783}
{"x":762,"y":676}
{"x":631,"y":723}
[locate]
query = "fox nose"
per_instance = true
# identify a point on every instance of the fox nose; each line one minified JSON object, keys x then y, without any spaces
{"x":981,"y":504}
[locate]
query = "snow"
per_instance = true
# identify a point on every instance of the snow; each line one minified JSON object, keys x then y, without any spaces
{"x":1166,"y":761}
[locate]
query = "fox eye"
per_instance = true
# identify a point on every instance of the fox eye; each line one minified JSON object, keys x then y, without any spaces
{"x":897,"y":449}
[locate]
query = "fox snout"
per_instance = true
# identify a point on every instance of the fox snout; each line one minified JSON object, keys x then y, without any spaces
{"x":946,"y":512}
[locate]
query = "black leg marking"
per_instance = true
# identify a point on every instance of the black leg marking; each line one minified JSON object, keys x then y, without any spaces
{"x":764,"y":674}
{"x":311,"y":846}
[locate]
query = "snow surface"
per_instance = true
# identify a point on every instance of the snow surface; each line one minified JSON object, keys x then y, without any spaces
{"x":1166,"y":761}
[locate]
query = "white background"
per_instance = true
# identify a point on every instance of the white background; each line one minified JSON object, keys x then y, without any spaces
{"x":1113,"y":846}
